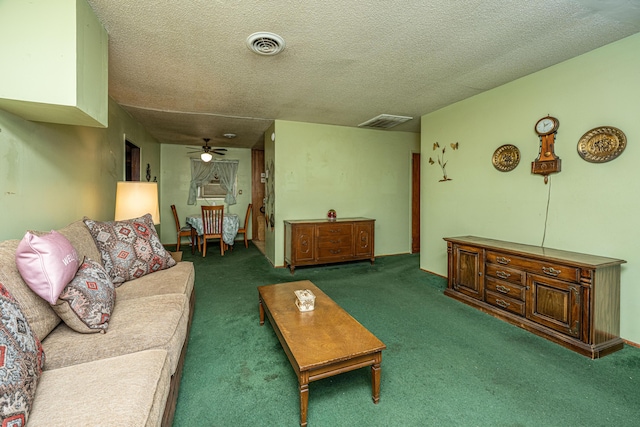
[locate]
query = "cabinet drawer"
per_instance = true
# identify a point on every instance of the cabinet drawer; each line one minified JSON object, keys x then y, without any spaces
{"x":339,"y":241}
{"x":505,"y":303}
{"x":508,"y":289}
{"x":333,"y":230}
{"x":504,"y":273}
{"x":541,"y":267}
{"x":334,"y":252}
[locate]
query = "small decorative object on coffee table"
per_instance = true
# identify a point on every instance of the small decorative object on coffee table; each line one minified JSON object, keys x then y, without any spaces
{"x":331,"y":215}
{"x":305,"y":300}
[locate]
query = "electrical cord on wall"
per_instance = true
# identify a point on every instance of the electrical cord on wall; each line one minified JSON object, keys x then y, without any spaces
{"x":546,"y":216}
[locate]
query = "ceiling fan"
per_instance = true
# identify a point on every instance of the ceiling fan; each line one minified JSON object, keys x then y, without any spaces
{"x":206,"y":151}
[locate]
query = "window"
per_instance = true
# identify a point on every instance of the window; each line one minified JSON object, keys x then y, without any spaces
{"x":209,"y":179}
{"x":211,"y":189}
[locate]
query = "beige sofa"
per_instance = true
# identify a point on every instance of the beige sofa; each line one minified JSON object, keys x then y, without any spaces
{"x":128,"y":376}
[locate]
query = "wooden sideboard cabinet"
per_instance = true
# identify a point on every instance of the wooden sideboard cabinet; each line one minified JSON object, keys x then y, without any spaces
{"x":570,"y":298}
{"x":320,"y":241}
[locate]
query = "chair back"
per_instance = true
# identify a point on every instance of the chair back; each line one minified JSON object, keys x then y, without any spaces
{"x":246,"y":218}
{"x":175,"y":217}
{"x":212,"y":217}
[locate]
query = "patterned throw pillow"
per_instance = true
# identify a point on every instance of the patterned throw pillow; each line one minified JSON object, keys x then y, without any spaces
{"x":129,"y":249}
{"x":86,"y":303}
{"x":21,"y":362}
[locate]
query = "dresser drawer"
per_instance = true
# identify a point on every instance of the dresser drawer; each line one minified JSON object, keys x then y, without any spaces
{"x":504,"y":273}
{"x":334,"y":229}
{"x":338,"y":241}
{"x":334,"y":252}
{"x":505,"y":288}
{"x":505,"y":303}
{"x":541,"y":267}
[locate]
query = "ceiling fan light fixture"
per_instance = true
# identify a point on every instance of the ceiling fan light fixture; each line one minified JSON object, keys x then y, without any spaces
{"x":206,"y":156}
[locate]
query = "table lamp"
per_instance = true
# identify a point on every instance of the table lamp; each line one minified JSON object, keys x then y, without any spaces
{"x":135,"y":199}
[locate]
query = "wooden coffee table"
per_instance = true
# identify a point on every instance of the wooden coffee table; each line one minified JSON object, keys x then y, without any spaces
{"x":320,"y":343}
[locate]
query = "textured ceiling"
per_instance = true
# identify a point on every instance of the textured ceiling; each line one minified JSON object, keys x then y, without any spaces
{"x":182,"y":68}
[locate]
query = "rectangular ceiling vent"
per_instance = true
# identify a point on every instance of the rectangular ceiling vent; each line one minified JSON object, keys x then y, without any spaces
{"x":384,"y":121}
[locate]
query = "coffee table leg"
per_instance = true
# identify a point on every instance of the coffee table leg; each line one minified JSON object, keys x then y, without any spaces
{"x":375,"y":379}
{"x":303,"y":380}
{"x":261,"y":312}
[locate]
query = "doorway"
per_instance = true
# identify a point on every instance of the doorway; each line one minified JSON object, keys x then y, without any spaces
{"x":257,"y":197}
{"x":415,"y":202}
{"x":132,"y":161}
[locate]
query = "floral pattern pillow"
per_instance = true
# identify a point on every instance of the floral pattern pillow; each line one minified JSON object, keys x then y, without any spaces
{"x":21,"y":362}
{"x":129,"y":249}
{"x":86,"y":303}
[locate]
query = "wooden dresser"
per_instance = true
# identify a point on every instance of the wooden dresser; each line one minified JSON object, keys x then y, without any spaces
{"x":320,"y":241}
{"x":570,"y":298}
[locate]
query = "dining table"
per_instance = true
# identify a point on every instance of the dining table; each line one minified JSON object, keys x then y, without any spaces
{"x":230,"y":225}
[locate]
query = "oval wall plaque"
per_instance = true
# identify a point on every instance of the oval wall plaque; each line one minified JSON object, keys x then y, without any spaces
{"x":602,"y":144}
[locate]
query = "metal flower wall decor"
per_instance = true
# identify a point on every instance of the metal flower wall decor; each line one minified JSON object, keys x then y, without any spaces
{"x":441,"y":161}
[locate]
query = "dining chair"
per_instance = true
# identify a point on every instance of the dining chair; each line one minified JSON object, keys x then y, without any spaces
{"x":182,"y":231}
{"x":212,"y":217}
{"x":246,"y":225}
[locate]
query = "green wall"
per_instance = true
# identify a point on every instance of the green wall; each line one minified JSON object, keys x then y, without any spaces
{"x":176,"y":177}
{"x":357,"y":172}
{"x":52,"y":175}
{"x":593,"y":208}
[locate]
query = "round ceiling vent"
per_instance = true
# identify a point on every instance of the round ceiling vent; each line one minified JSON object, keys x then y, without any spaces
{"x":265,"y":43}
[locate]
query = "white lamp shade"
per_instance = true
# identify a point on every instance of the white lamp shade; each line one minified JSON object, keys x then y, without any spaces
{"x":135,"y":199}
{"x":206,"y":157}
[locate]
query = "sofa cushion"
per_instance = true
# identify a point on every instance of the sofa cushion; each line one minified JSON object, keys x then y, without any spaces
{"x":175,"y":280}
{"x":86,"y":303}
{"x":21,"y":361}
{"x":139,"y":324}
{"x":38,"y":312}
{"x":128,"y":391}
{"x":78,"y":234}
{"x":129,"y":249}
{"x":46,"y":263}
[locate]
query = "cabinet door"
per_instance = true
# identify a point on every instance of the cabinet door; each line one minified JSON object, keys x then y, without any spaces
{"x":303,"y":243}
{"x":364,"y":239}
{"x":554,"y":303}
{"x":469,"y":271}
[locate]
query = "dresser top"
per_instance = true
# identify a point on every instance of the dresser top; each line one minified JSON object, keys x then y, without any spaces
{"x":325,"y":220}
{"x":537,"y":251}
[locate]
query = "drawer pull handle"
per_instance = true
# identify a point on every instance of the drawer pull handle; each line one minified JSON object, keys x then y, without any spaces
{"x":551,"y":271}
{"x":334,"y":241}
{"x":334,"y":230}
{"x":502,"y":289}
{"x":503,"y":260}
{"x":502,"y":303}
{"x":502,"y":274}
{"x":335,"y":251}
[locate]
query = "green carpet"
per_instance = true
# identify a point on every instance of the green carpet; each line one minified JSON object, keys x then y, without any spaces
{"x":446,"y":364}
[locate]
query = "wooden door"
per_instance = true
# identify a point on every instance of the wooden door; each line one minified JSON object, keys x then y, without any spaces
{"x":468,"y":275}
{"x":415,"y":203}
{"x":257,"y":191}
{"x":554,"y":304}
{"x":363,"y":239}
{"x":303,"y":243}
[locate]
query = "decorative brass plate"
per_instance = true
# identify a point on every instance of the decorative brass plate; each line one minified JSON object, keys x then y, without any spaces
{"x":506,"y":158}
{"x":602,"y":144}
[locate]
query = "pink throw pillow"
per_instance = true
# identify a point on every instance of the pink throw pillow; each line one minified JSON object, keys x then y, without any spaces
{"x":47,"y":263}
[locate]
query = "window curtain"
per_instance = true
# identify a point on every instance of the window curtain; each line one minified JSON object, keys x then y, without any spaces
{"x":202,"y":172}
{"x":227,"y":171}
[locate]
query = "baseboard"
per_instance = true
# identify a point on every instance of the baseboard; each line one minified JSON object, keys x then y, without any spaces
{"x":631,"y":343}
{"x":435,"y":274}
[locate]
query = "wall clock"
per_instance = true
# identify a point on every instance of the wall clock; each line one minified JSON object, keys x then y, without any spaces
{"x":547,"y":161}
